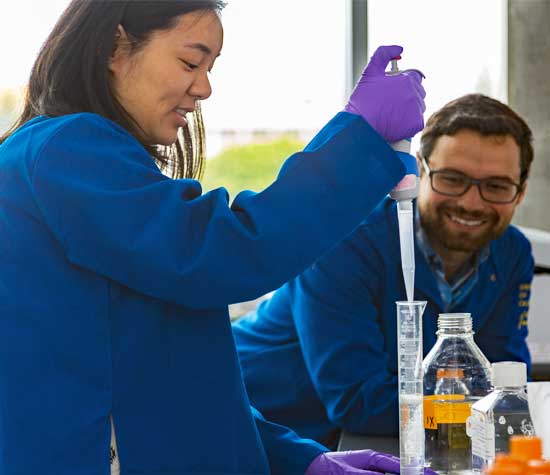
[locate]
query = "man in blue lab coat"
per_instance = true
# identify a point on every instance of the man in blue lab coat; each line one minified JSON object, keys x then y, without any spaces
{"x":321,"y":354}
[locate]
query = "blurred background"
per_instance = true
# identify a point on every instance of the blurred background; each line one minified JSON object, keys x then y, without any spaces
{"x":287,"y":66}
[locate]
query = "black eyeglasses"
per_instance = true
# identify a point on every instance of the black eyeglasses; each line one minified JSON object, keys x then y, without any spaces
{"x":453,"y":183}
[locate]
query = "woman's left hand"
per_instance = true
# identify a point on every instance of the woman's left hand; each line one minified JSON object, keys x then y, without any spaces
{"x":356,"y":462}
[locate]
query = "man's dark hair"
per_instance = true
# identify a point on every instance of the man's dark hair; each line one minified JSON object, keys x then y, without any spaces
{"x":484,"y":115}
{"x":71,"y":74}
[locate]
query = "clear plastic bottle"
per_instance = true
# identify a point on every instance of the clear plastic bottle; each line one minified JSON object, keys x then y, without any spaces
{"x":500,"y":415}
{"x":456,"y":374}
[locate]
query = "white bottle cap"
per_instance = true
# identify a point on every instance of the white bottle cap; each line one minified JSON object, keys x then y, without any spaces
{"x":509,"y":374}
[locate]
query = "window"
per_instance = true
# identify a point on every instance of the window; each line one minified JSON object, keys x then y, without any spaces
{"x":280,"y":77}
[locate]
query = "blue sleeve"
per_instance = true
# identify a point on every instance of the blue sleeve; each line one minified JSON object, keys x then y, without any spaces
{"x":287,"y":453}
{"x":504,"y":336}
{"x":115,"y":214}
{"x":338,"y":324}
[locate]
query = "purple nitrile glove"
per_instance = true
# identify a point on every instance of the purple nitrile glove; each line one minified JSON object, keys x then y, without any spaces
{"x":392,"y":104}
{"x":356,"y":462}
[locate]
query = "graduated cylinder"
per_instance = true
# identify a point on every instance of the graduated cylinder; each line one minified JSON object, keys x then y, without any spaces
{"x":410,"y":381}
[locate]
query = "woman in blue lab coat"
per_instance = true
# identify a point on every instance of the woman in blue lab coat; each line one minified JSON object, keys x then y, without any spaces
{"x":115,"y":278}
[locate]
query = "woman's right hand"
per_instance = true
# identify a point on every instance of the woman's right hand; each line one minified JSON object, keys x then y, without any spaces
{"x":392,"y":104}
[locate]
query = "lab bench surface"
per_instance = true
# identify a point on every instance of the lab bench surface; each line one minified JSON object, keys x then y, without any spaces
{"x":540,"y":371}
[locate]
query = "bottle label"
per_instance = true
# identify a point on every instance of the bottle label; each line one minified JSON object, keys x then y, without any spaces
{"x":483,"y":438}
{"x":445,"y":409}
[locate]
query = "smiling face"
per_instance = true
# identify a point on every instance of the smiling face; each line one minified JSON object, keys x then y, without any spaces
{"x":464,"y":224}
{"x":161,"y":82}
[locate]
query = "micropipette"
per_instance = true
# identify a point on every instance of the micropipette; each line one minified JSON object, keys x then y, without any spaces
{"x":405,"y":191}
{"x":409,"y":319}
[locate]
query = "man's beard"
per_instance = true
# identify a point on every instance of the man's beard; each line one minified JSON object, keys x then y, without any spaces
{"x":435,"y":224}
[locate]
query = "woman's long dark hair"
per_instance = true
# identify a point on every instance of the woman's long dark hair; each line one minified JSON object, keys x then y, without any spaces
{"x":71,"y":74}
